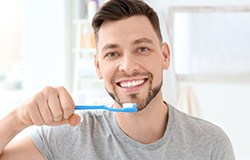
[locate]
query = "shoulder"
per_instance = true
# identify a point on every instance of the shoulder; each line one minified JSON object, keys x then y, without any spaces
{"x":199,"y":130}
{"x":199,"y":136}
{"x":192,"y":123}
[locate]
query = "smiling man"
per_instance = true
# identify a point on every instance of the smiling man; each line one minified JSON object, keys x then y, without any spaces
{"x":130,"y":59}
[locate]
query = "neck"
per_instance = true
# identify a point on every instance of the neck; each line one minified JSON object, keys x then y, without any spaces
{"x":151,"y":122}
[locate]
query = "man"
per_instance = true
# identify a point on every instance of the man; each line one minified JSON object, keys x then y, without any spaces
{"x":130,"y":59}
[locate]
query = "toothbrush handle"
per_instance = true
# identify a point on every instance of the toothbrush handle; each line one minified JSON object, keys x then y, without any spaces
{"x":82,"y":107}
{"x":88,"y":107}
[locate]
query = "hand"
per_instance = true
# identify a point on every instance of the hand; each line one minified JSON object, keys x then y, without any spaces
{"x":51,"y":106}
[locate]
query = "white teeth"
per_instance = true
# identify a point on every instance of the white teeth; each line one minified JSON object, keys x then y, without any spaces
{"x":131,"y":84}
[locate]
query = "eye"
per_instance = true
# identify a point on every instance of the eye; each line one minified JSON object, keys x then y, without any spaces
{"x":143,"y":49}
{"x":111,"y":55}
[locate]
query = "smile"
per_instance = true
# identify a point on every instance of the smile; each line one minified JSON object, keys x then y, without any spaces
{"x":132,"y":84}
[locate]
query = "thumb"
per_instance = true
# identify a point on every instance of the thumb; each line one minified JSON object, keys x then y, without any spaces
{"x":74,"y":120}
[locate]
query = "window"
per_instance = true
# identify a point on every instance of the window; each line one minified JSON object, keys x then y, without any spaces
{"x":211,"y":42}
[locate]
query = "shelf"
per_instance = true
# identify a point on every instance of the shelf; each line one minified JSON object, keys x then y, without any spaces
{"x":87,"y":87}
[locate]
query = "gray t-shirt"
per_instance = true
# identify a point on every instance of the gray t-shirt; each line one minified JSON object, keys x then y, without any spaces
{"x":98,"y":136}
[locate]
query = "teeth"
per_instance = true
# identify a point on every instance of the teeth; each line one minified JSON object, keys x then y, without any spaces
{"x":131,"y":84}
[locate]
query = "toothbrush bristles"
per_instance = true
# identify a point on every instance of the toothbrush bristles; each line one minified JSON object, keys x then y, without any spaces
{"x":129,"y":105}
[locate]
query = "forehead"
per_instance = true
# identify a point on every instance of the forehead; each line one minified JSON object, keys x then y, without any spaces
{"x":126,"y":30}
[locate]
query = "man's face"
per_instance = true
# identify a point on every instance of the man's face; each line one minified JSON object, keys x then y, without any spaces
{"x":131,"y":60}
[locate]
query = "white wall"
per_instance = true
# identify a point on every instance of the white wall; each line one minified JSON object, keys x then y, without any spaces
{"x":46,"y":48}
{"x":225,"y":104}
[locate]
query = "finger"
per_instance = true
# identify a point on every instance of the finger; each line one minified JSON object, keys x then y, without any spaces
{"x":54,"y":103}
{"x":44,"y":110}
{"x":67,"y":102}
{"x":55,"y":108}
{"x":74,"y":120}
{"x":35,"y":115}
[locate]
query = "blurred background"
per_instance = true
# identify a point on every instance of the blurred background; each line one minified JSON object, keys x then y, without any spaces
{"x":44,"y":42}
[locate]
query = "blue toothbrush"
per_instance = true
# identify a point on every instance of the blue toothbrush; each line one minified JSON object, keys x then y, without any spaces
{"x":127,"y":107}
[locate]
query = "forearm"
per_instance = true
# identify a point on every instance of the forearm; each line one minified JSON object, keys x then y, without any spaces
{"x":51,"y":106}
{"x":10,"y":126}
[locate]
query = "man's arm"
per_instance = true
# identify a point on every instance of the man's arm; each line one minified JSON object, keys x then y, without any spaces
{"x":25,"y":149}
{"x":22,"y":150}
{"x":51,"y":106}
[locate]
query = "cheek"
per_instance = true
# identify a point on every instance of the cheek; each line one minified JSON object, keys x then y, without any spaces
{"x":107,"y":72}
{"x":155,"y":68}
{"x":157,"y":74}
{"x":153,"y":61}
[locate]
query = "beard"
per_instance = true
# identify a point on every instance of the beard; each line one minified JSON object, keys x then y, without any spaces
{"x":141,"y":103}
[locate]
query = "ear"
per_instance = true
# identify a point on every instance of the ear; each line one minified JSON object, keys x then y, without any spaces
{"x":97,"y":67}
{"x":165,"y":56}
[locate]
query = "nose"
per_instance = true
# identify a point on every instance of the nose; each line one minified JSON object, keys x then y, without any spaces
{"x":128,"y":64}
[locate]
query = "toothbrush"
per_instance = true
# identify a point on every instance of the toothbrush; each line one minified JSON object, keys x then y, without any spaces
{"x":127,"y":107}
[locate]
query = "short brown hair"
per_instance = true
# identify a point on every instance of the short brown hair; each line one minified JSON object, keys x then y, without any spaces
{"x":118,"y":9}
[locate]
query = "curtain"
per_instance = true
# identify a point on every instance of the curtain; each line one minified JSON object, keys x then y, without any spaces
{"x":187,"y":101}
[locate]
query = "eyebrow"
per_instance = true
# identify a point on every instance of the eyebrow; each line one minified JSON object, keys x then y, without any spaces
{"x":135,"y":42}
{"x":142,"y":40}
{"x":110,"y":46}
